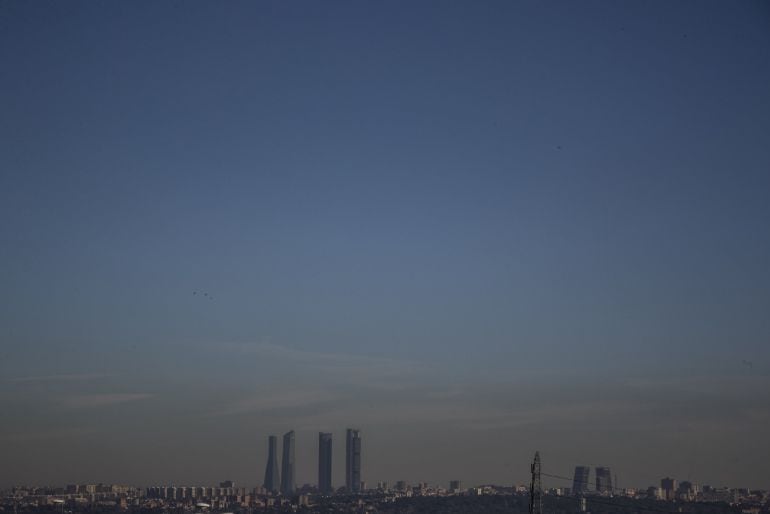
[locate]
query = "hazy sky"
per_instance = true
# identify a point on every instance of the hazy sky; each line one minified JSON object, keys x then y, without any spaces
{"x":471,"y":229}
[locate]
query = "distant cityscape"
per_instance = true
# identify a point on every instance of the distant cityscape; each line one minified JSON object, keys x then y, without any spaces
{"x":279,"y":492}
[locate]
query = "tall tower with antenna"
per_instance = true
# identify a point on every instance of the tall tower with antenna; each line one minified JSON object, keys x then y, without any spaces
{"x":536,"y":488}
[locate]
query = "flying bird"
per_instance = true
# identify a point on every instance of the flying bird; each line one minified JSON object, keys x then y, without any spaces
{"x":204,"y":293}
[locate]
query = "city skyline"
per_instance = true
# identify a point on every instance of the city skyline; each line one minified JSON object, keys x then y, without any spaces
{"x":424,"y":497}
{"x":227,"y":496}
{"x":470,"y":230}
{"x":669,"y":488}
{"x":581,"y":484}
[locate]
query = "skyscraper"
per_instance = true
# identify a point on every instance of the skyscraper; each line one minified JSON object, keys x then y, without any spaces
{"x":353,"y":460}
{"x":324,"y":463}
{"x":669,"y":487}
{"x":603,"y":480}
{"x":287,"y":464}
{"x":580,"y":481}
{"x":271,"y":472}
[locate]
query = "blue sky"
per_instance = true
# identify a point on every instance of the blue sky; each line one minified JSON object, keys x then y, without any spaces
{"x":512,"y":214}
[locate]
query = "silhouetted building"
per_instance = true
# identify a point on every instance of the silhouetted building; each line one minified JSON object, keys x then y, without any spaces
{"x":271,"y":472}
{"x":669,"y":486}
{"x":686,"y":490}
{"x":288,"y":485}
{"x":454,"y":485}
{"x":353,"y":460}
{"x":654,"y":493}
{"x":324,"y":463}
{"x":603,"y":480}
{"x":580,"y":480}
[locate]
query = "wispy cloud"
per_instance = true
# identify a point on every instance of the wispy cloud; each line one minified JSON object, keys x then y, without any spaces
{"x":320,"y":358}
{"x":722,"y":385}
{"x":67,"y":377}
{"x":268,"y":400}
{"x":86,"y":401}
{"x":41,"y":435}
{"x":321,"y":383}
{"x":339,"y":367}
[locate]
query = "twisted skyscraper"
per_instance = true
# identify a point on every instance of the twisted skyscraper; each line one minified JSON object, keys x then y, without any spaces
{"x":271,"y":472}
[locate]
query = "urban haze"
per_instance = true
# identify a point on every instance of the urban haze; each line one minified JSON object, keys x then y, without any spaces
{"x":421,"y":240}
